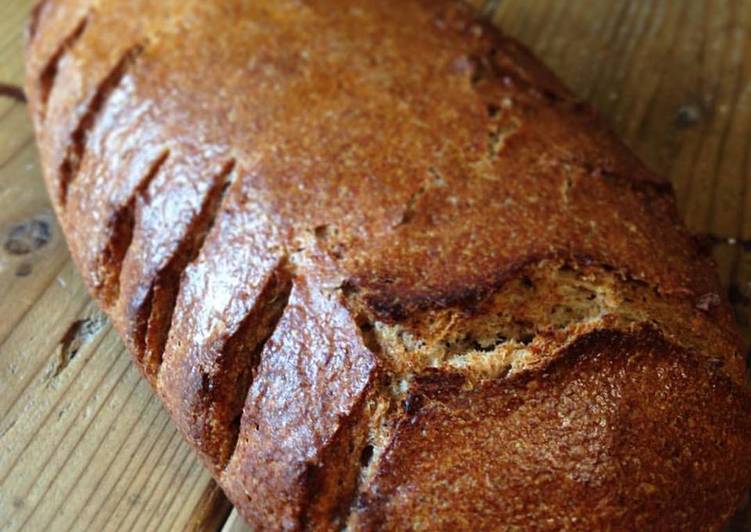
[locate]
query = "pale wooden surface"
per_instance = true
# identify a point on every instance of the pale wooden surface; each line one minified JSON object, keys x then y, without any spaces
{"x":85,"y":445}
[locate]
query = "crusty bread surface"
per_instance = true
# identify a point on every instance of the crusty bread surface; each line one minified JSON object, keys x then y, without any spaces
{"x":385,"y":271}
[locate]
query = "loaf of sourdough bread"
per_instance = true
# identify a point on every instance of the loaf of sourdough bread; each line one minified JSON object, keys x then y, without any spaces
{"x":385,"y":271}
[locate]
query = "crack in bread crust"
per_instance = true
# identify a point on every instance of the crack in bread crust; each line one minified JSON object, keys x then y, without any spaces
{"x":521,"y":329}
{"x":546,"y":306}
{"x":518,"y":332}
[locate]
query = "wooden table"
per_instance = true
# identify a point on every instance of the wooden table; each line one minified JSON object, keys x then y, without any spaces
{"x":83,"y":442}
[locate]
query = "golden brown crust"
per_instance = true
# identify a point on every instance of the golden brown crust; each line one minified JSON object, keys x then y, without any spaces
{"x":304,"y":215}
{"x":621,"y":432}
{"x":291,"y":442}
{"x":214,"y":348}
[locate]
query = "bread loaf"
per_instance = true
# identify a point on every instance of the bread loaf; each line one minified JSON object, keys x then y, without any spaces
{"x":385,"y":271}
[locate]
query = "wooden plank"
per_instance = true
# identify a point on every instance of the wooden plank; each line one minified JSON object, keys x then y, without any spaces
{"x":83,"y":442}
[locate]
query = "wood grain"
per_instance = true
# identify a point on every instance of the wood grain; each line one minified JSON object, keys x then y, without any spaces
{"x":83,"y":442}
